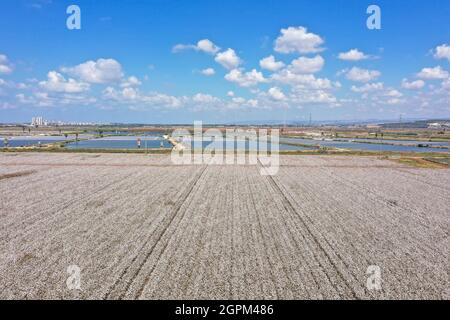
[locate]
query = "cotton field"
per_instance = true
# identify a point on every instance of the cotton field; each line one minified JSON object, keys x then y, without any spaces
{"x":118,"y":226}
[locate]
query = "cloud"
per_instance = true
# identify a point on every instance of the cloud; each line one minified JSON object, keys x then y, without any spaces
{"x":56,"y":98}
{"x":100,"y":71}
{"x":230,"y":93}
{"x":207,"y":46}
{"x":270,"y":64}
{"x":276,"y":94}
{"x":7,"y":106}
{"x":208,"y":72}
{"x":130,"y":93}
{"x":302,"y":96}
{"x":352,"y":55}
{"x":163,"y":100}
{"x":393,"y":93}
{"x":394,"y":101}
{"x":413,"y":85}
{"x":39,"y":4}
{"x":5,"y":69}
{"x":182,"y":47}
{"x":43,"y":99}
{"x":5,"y":66}
{"x":203,"y":101}
{"x":368,"y":87}
{"x":22,"y":98}
{"x":433,"y":73}
{"x":298,"y":39}
{"x":376,"y":94}
{"x":21,"y":85}
{"x":442,"y":52}
{"x":205,"y":98}
{"x":228,"y":59}
{"x":57,"y":83}
{"x":361,"y":75}
{"x":131,"y":82}
{"x":139,"y":101}
{"x":203,"y":45}
{"x":247,"y":79}
{"x":446,"y":84}
{"x":286,"y":76}
{"x":307,"y":65}
{"x":13,"y":85}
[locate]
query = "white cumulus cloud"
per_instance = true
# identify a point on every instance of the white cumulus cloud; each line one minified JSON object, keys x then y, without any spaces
{"x":5,"y":66}
{"x":433,"y":73}
{"x":57,"y":83}
{"x":130,"y":93}
{"x":204,"y":98}
{"x":298,"y":39}
{"x":207,"y":46}
{"x":353,"y":55}
{"x":301,"y":96}
{"x":413,"y":85}
{"x":446,"y":84}
{"x":276,"y":94}
{"x":270,"y":64}
{"x":395,"y":101}
{"x":368,"y":87}
{"x":208,"y":72}
{"x":442,"y":52}
{"x":393,"y":93}
{"x":100,"y":71}
{"x":139,"y":101}
{"x":247,"y":79}
{"x":362,"y":75}
{"x":203,"y":45}
{"x":131,"y":82}
{"x":228,"y":59}
{"x":286,"y":76}
{"x":307,"y":65}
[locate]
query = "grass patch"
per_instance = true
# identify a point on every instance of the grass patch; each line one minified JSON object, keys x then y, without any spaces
{"x":439,"y":160}
{"x":318,"y":151}
{"x":429,"y":163}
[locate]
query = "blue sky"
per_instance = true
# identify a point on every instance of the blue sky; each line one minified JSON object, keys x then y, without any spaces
{"x":180,"y":61}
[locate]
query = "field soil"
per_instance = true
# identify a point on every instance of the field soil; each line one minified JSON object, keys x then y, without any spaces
{"x":141,"y":227}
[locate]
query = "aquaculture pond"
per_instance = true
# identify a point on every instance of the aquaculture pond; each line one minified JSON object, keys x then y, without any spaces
{"x":242,"y":145}
{"x":398,"y":142}
{"x":120,"y":133}
{"x":363,"y":146}
{"x":122,"y":142}
{"x":26,"y":141}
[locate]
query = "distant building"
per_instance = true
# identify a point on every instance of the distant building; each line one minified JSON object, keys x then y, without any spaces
{"x":40,"y":121}
{"x":439,"y":125}
{"x":37,"y":121}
